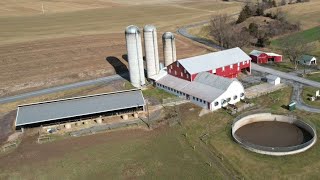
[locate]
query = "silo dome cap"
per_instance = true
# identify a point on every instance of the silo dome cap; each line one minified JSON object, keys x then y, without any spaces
{"x":132,"y":29}
{"x":149,"y":28}
{"x":168,"y":35}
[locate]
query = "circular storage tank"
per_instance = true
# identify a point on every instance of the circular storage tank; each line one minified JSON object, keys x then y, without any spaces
{"x":151,"y":50}
{"x":169,"y":48}
{"x":135,"y":57}
{"x":276,"y":135}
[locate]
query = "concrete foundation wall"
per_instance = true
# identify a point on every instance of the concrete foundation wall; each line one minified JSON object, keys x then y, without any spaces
{"x":269,"y":150}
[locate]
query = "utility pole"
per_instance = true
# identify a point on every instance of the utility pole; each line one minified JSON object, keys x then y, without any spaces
{"x":147,"y":104}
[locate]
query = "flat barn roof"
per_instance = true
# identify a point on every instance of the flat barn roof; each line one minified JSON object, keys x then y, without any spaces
{"x":72,"y":107}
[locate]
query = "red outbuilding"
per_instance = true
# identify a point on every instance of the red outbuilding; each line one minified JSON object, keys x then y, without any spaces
{"x":260,"y":57}
{"x":228,"y":63}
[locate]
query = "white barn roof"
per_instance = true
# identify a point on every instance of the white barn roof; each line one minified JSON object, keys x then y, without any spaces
{"x":206,"y":86}
{"x":258,"y":53}
{"x":78,"y":106}
{"x":214,"y":60}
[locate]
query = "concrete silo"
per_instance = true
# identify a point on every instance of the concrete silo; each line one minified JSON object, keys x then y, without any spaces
{"x":151,"y":50}
{"x":135,"y":57}
{"x":169,"y":48}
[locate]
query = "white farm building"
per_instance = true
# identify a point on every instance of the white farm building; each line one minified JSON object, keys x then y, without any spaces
{"x":206,"y":90}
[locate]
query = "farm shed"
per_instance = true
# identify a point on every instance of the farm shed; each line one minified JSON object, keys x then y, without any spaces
{"x":261,"y":57}
{"x":64,"y":110}
{"x":308,"y":60}
{"x":228,"y":63}
{"x":206,"y":90}
{"x":271,"y":79}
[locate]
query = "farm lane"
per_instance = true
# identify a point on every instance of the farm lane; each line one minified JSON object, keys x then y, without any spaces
{"x":107,"y":79}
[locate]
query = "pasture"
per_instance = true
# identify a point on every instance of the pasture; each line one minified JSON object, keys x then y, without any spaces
{"x":166,"y":152}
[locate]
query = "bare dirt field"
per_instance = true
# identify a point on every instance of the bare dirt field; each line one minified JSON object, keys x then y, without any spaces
{"x":80,"y":40}
{"x":45,"y":63}
{"x":6,"y":123}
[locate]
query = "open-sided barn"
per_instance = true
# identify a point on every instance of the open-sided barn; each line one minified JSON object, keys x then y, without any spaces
{"x":64,"y":110}
{"x":261,"y":57}
{"x":228,"y":63}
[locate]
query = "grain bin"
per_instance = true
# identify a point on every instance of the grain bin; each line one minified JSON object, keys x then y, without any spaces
{"x":169,"y":48}
{"x":151,"y":50}
{"x":135,"y":57}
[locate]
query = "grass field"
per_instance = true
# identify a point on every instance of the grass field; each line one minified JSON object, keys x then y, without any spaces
{"x":164,"y":153}
{"x":309,"y":92}
{"x":313,"y":77}
{"x":307,"y":36}
{"x":307,"y":14}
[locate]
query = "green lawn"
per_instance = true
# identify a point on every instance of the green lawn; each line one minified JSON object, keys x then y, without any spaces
{"x":308,"y":36}
{"x":313,"y":77}
{"x":307,"y":93}
{"x":157,"y":93}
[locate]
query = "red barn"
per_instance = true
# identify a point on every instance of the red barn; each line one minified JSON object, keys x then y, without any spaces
{"x":228,"y":63}
{"x":260,"y":57}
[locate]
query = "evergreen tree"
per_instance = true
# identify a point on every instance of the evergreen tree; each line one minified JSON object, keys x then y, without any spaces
{"x":245,"y":13}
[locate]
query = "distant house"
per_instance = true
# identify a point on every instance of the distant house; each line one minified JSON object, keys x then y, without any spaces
{"x":261,"y":57}
{"x":308,"y":60}
{"x":271,"y":79}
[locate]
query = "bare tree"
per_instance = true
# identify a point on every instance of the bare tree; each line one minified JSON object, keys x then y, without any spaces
{"x":222,"y":30}
{"x":218,"y":28}
{"x":294,"y":49}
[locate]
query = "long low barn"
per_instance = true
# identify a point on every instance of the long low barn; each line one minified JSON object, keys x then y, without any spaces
{"x":70,"y":108}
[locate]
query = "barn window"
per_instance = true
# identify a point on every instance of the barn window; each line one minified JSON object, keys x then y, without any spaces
{"x":170,"y":66}
{"x":181,"y":74}
{"x":193,"y":98}
{"x":187,"y":75}
{"x":223,"y":101}
{"x":235,"y":97}
{"x":201,"y":100}
{"x":216,"y":103}
{"x":175,"y":72}
{"x":169,"y":70}
{"x":177,"y":64}
{"x":242,"y":94}
{"x":222,"y":68}
{"x":184,"y":70}
{"x":231,"y":66}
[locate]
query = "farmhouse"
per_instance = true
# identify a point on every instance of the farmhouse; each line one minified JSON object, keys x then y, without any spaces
{"x":308,"y":60}
{"x":84,"y":107}
{"x":228,"y":63}
{"x":260,"y":57}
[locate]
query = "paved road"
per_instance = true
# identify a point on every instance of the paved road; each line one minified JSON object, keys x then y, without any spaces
{"x":285,"y":75}
{"x":107,"y":79}
{"x":296,"y":96}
